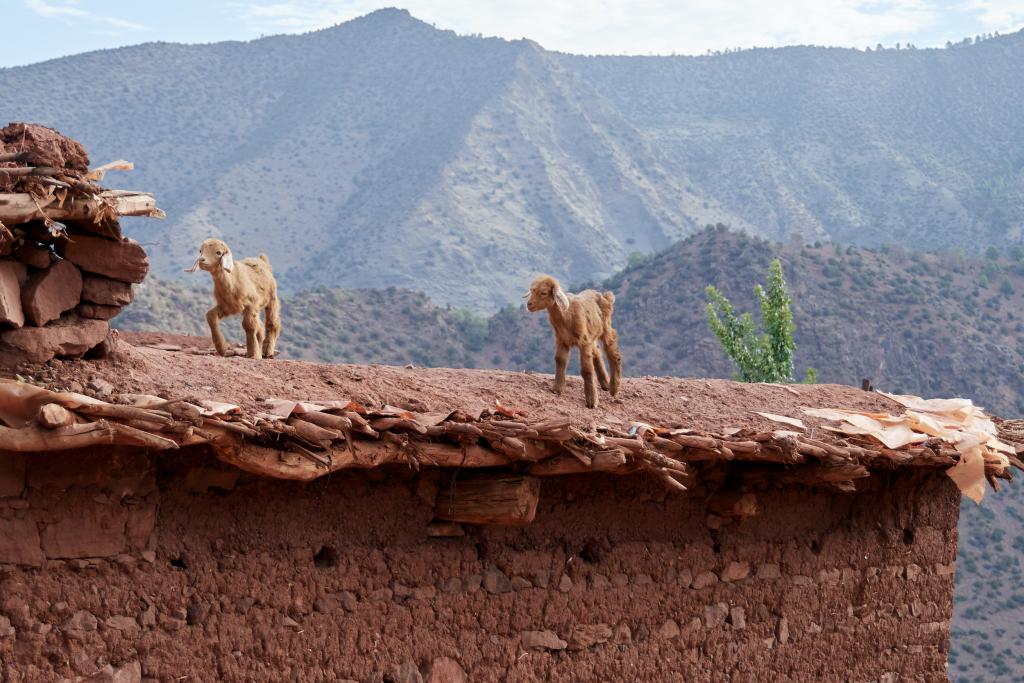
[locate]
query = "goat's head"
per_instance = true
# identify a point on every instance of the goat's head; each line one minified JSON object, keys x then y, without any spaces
{"x":545,"y":292}
{"x":213,"y":255}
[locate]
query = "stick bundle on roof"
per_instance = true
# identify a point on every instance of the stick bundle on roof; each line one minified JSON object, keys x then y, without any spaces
{"x":299,"y":440}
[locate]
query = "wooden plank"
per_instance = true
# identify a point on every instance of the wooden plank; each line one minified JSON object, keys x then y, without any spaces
{"x":501,"y":499}
{"x":602,"y":461}
{"x":19,"y":208}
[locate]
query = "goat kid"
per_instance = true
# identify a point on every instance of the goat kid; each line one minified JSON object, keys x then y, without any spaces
{"x":580,"y":320}
{"x":246,"y":287}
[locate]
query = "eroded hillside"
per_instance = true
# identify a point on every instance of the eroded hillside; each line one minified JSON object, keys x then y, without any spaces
{"x":402,"y":155}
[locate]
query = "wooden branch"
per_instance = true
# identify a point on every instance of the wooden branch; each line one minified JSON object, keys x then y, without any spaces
{"x":311,"y":432}
{"x":266,"y":462}
{"x":603,"y":461}
{"x":328,"y":421}
{"x":557,"y":424}
{"x":360,"y":423}
{"x":384,"y":423}
{"x":138,"y":437}
{"x":451,"y":455}
{"x":19,"y":208}
{"x":235,"y":427}
{"x":819,"y":474}
{"x":505,"y":500}
{"x":691,"y":441}
{"x":31,"y":170}
{"x":37,"y":440}
{"x":120,"y":412}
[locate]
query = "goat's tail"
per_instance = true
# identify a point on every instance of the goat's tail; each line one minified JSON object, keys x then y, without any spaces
{"x":606,"y":302}
{"x":265,"y":259}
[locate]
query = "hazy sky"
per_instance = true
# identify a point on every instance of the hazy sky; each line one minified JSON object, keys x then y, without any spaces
{"x":35,"y":30}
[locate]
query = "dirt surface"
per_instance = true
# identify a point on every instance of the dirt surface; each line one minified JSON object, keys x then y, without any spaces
{"x":190,"y":572}
{"x":704,"y":405}
{"x":43,"y":147}
{"x":179,"y":567}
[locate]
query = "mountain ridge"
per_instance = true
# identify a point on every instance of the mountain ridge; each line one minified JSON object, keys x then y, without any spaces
{"x":410,"y":156}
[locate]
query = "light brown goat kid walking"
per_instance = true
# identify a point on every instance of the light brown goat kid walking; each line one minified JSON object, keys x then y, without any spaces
{"x":245,"y":287}
{"x":580,"y":320}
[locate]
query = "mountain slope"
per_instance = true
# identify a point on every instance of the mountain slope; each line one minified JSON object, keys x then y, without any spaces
{"x":384,"y":152}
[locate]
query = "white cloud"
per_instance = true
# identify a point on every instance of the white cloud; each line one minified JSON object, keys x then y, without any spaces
{"x":646,"y":26}
{"x":998,"y":15}
{"x":71,"y":10}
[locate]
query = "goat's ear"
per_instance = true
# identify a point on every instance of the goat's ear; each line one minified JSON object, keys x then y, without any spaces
{"x":561,"y":299}
{"x":226,"y":262}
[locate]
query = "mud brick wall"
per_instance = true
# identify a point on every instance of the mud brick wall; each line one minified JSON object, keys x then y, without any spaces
{"x":152,"y":570}
{"x":58,"y":306}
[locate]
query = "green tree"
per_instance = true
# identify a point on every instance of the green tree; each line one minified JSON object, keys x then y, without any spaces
{"x":764,"y":357}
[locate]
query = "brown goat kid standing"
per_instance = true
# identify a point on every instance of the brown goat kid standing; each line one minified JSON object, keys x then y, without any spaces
{"x":580,"y":320}
{"x":245,"y":287}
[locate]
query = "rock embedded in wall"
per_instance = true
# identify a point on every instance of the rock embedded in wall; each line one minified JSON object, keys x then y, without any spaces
{"x":12,"y":275}
{"x":541,"y":640}
{"x":33,"y":255}
{"x":51,"y":292}
{"x":70,"y":336}
{"x":97,"y":311}
{"x":102,"y":290}
{"x":19,"y":541}
{"x":88,"y":530}
{"x":122,"y":260}
{"x":446,"y":670}
{"x":12,"y":474}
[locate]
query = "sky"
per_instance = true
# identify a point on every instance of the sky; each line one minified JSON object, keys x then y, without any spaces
{"x":36,"y":30}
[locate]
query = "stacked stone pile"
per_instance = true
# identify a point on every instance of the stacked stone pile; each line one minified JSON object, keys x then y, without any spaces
{"x":65,"y":267}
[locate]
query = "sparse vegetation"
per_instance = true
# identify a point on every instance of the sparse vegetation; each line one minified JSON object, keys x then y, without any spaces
{"x":765,"y":357}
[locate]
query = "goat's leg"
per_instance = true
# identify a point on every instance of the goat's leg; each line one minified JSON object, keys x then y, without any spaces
{"x":213,"y":317}
{"x":561,"y":361}
{"x":610,"y":341}
{"x":261,"y":333}
{"x":273,"y":318}
{"x":253,"y":332}
{"x":602,"y":373}
{"x":587,"y":370}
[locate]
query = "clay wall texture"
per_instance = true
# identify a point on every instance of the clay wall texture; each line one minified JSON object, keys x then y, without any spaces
{"x":180,"y":567}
